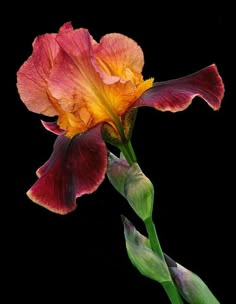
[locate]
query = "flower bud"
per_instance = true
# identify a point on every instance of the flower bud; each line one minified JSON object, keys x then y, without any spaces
{"x":141,"y":255}
{"x":189,"y":285}
{"x":117,"y":172}
{"x":139,"y":192}
{"x":132,"y":184}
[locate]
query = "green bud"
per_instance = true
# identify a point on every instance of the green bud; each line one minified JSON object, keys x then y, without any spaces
{"x":139,"y":192}
{"x":117,"y":172}
{"x":132,"y":184}
{"x":141,"y":255}
{"x":190,"y":285}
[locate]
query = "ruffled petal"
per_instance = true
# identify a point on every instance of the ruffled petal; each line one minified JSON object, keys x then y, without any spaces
{"x":176,"y":95}
{"x":33,"y":74}
{"x":77,"y":166}
{"x":80,"y":89}
{"x":119,"y":55}
{"x":74,"y":78}
{"x":52,"y":126}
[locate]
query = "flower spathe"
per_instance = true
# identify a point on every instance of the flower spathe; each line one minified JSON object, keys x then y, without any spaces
{"x":89,"y":86}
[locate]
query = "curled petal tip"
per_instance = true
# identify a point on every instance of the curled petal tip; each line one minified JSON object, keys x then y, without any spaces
{"x":219,"y":85}
{"x":176,"y":95}
{"x":52,"y":127}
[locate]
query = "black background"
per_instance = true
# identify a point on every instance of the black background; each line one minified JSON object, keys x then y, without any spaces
{"x":188,"y":156}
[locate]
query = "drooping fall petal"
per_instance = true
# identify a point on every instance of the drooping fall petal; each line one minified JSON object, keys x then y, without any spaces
{"x":176,"y":95}
{"x":77,"y":166}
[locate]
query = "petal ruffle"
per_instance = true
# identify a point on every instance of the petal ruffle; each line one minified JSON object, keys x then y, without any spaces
{"x":119,"y":55}
{"x":77,"y":166}
{"x":79,"y":88}
{"x":33,"y":74}
{"x":176,"y":95}
{"x":66,"y":27}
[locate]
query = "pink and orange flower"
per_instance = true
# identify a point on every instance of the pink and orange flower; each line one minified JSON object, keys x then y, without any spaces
{"x":93,"y":89}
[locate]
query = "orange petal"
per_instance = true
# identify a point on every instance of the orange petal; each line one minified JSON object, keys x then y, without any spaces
{"x":121,"y":56}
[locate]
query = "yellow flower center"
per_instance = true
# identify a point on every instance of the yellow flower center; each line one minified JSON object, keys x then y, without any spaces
{"x":108,"y":106}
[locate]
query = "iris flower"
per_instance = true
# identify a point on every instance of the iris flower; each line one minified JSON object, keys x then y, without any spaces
{"x":93,"y":90}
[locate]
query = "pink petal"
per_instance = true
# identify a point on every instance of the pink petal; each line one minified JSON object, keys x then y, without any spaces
{"x":66,"y":27}
{"x":70,"y":81}
{"x":78,"y":86}
{"x":77,"y":166}
{"x":33,"y":74}
{"x":78,"y":45}
{"x":53,"y":127}
{"x":176,"y":95}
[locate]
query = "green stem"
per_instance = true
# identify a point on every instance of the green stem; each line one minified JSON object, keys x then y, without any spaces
{"x":169,"y":285}
{"x":152,"y":235}
{"x":128,"y":152}
{"x":172,"y":293}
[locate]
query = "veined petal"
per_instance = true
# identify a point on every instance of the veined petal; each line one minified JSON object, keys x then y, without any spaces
{"x":33,"y":74}
{"x":79,"y":89}
{"x":77,"y":166}
{"x":176,"y":95}
{"x":119,"y":55}
{"x":52,"y":126}
{"x":66,"y":27}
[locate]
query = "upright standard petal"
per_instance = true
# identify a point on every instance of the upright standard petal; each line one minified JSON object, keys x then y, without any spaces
{"x":176,"y":95}
{"x":77,"y":166}
{"x":33,"y":74}
{"x":119,"y":55}
{"x":79,"y":88}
